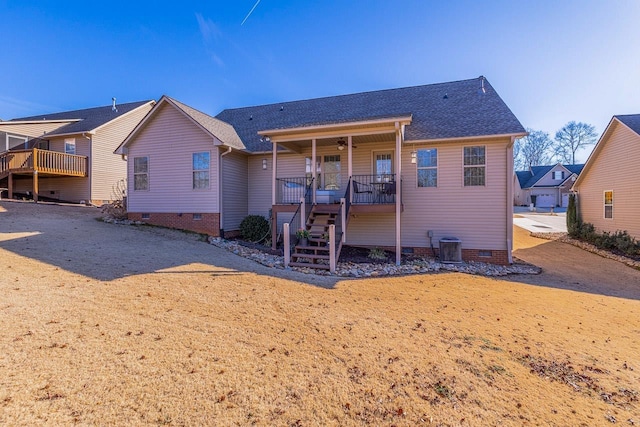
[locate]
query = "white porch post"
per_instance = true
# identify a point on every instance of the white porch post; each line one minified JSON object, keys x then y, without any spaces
{"x":343,"y":219}
{"x":398,"y":192}
{"x":274,"y":175}
{"x":287,"y":247}
{"x":313,"y":171}
{"x":332,"y":248}
{"x":350,"y":165}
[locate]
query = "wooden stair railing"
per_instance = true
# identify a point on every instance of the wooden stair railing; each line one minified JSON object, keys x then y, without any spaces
{"x":316,"y":252}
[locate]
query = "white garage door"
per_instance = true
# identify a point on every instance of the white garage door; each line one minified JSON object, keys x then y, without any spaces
{"x":545,"y":201}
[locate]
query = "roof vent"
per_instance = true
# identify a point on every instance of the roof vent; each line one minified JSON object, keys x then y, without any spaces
{"x":445,"y":96}
{"x":281,"y":107}
{"x":113,"y":105}
{"x":251,"y":117}
{"x":482,"y":90}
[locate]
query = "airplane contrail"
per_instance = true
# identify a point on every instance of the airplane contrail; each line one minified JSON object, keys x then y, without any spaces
{"x":251,"y":11}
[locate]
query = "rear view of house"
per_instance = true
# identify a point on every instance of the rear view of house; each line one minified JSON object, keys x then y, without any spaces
{"x":399,"y":169}
{"x":67,"y":156}
{"x":608,"y":188}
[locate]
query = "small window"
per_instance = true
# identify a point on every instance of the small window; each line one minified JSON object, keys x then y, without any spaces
{"x":197,"y":217}
{"x":558,"y":175}
{"x":201,"y":163}
{"x":140,"y":173}
{"x":608,"y":204}
{"x":145,"y":216}
{"x":427,"y":165}
{"x":70,"y":146}
{"x":474,"y":166}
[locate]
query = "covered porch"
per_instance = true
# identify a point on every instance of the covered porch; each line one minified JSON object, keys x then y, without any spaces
{"x":356,"y":166}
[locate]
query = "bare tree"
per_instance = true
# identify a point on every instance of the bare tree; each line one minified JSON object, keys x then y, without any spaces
{"x":571,"y":138}
{"x":534,"y":149}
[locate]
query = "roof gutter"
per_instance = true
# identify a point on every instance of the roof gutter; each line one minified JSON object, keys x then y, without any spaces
{"x":390,"y":120}
{"x":466,"y":138}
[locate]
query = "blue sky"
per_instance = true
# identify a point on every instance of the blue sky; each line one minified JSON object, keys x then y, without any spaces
{"x":551,"y":61}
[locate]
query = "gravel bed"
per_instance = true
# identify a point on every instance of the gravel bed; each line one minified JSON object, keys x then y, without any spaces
{"x":351,"y":269}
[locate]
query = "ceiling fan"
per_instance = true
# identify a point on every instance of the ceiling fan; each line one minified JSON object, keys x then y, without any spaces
{"x":342,"y":144}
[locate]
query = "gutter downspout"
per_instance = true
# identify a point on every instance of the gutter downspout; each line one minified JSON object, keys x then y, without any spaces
{"x":220,"y":190}
{"x":509,"y":209}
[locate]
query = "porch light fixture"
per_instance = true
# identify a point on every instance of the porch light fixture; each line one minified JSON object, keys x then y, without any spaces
{"x":264,"y":164}
{"x":414,"y":157}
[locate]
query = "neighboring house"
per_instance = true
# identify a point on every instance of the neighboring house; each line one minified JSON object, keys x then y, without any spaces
{"x":67,"y":156}
{"x":608,"y":188}
{"x":545,"y":186}
{"x":397,"y":168}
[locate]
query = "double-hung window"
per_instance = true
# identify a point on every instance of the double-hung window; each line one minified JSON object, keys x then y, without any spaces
{"x":427,"y":165}
{"x":201,"y":165}
{"x":608,"y":204}
{"x":475,"y":161}
{"x":140,"y":173}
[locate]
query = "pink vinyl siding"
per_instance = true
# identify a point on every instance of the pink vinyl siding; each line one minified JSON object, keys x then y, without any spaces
{"x":477,"y":215}
{"x":614,"y":168}
{"x":169,"y":141}
{"x":234,"y":190}
{"x":259,"y":184}
{"x":105,"y":167}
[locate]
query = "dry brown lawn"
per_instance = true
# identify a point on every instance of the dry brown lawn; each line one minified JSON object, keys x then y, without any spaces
{"x":208,"y":339}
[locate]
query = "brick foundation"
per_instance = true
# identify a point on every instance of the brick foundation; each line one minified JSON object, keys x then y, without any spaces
{"x":480,"y":255}
{"x":208,"y":224}
{"x":491,"y":256}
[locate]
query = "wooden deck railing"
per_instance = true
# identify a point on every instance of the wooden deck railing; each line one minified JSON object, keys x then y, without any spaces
{"x":43,"y":161}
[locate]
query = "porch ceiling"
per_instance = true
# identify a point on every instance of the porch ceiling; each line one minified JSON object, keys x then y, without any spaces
{"x":301,"y":144}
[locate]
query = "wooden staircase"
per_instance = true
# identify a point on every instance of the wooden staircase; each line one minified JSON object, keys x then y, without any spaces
{"x":315,"y":254}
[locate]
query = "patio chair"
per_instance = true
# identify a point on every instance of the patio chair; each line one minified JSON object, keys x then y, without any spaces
{"x":359,"y":189}
{"x":389,"y":191}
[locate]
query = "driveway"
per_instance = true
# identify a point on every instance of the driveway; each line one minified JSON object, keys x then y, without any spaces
{"x":541,"y":222}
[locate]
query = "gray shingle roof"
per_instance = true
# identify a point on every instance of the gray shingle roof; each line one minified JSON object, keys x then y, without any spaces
{"x":439,"y":111}
{"x":221,"y":130}
{"x":528,"y":178}
{"x":631,"y":120}
{"x":89,"y":118}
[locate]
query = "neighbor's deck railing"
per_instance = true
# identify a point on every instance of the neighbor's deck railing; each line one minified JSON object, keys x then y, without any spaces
{"x":45,"y":161}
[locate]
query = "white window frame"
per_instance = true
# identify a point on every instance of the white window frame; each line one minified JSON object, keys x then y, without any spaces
{"x":555,"y":175}
{"x":146,"y":172}
{"x":607,"y":205}
{"x":195,"y":171}
{"x":374,"y":165}
{"x":68,"y":143}
{"x":482,"y":166}
{"x":20,"y":137}
{"x":419,"y":168}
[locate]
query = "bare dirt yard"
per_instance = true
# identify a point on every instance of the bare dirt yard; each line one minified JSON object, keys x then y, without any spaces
{"x":120,"y":325}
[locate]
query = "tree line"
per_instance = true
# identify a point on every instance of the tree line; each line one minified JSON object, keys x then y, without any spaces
{"x":538,"y":148}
